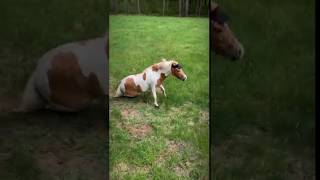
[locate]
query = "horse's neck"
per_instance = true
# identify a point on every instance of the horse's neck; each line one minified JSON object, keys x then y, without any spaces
{"x":165,"y":68}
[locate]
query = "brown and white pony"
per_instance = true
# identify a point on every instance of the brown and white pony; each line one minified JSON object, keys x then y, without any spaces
{"x":68,"y":77}
{"x":151,"y":78}
{"x":222,"y":39}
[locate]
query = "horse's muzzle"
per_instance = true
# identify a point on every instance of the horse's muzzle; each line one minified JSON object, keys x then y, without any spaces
{"x":239,"y":54}
{"x":184,"y":78}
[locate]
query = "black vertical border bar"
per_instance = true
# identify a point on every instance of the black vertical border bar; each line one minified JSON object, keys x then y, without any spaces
{"x":107,"y":99}
{"x":316,"y":94}
{"x":210,"y":95}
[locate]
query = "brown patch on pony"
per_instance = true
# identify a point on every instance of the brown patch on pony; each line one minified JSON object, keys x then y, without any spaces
{"x":131,"y":89}
{"x":155,"y":67}
{"x":161,"y":79}
{"x":144,"y":76}
{"x":68,"y":85}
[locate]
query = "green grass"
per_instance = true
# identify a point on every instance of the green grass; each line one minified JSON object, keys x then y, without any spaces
{"x":176,"y":145}
{"x":47,"y":145}
{"x":263,"y":108}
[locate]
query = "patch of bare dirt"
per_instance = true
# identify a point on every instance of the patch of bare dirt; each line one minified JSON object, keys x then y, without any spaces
{"x":130,"y":113}
{"x":174,"y":146}
{"x":138,"y":131}
{"x":121,"y":167}
{"x":181,"y":171}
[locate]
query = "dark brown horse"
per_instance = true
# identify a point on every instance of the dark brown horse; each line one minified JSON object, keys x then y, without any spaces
{"x":223,"y":40}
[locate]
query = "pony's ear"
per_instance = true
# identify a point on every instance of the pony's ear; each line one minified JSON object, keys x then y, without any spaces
{"x":217,"y":15}
{"x":213,"y":6}
{"x":176,"y":65}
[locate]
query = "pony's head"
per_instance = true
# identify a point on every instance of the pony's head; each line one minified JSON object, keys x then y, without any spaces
{"x":223,"y":39}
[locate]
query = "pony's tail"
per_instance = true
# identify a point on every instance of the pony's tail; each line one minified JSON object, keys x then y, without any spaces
{"x":118,"y":92}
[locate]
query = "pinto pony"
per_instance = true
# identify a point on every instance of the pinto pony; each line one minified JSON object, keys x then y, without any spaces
{"x":151,"y":78}
{"x":222,"y":39}
{"x":68,"y":77}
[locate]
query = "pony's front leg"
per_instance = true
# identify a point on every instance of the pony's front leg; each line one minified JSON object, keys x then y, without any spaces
{"x":154,"y":93}
{"x":163,"y":90}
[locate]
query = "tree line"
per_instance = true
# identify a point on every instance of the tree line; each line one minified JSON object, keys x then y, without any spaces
{"x":182,"y":8}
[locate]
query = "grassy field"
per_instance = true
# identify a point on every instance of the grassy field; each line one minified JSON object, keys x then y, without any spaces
{"x":263,"y":107}
{"x":47,"y":145}
{"x":170,"y":142}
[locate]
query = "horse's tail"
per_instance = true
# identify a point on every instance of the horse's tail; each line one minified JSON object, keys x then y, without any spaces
{"x":119,"y":92}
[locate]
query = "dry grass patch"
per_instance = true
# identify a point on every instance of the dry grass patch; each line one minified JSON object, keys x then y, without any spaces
{"x":137,"y":131}
{"x":130,"y":113}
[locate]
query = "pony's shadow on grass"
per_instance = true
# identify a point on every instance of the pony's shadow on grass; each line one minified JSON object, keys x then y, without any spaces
{"x":138,"y":99}
{"x":143,"y":99}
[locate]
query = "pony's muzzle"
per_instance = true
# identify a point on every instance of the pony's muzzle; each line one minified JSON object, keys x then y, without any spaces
{"x":239,"y":53}
{"x":184,"y":78}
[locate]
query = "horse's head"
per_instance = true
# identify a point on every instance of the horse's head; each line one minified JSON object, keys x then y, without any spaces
{"x":223,"y":40}
{"x":176,"y":70}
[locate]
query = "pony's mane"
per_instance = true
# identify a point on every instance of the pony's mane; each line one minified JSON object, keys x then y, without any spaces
{"x":165,"y":62}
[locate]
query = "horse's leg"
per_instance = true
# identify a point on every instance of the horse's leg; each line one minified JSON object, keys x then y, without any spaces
{"x":163,"y":90}
{"x":154,"y":93}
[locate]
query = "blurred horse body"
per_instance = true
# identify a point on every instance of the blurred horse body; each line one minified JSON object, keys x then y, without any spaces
{"x":69,"y":77}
